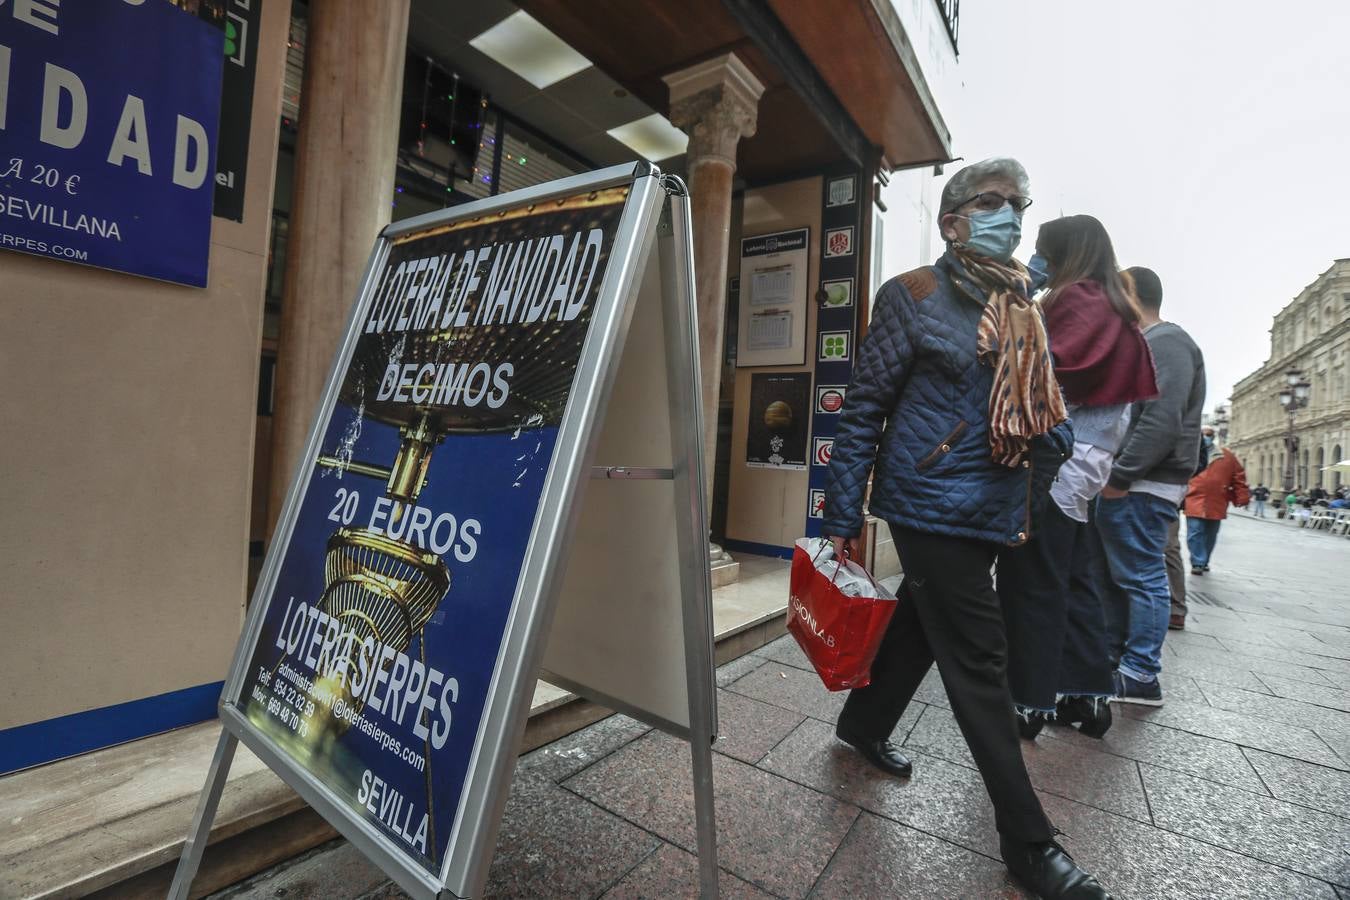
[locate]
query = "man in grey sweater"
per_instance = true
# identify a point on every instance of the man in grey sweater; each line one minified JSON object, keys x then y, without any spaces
{"x":1147,"y":484}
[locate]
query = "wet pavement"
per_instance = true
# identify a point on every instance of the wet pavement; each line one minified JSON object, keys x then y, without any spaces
{"x":1238,"y":787}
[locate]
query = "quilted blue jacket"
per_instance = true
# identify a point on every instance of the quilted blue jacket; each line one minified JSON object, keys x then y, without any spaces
{"x":918,"y":409}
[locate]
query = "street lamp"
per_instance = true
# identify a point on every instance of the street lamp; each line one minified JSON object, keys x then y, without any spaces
{"x":1293,"y":398}
{"x":1220,"y":421}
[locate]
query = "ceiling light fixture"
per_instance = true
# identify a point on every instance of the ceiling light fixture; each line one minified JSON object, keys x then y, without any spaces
{"x":652,"y":137}
{"x":530,"y":50}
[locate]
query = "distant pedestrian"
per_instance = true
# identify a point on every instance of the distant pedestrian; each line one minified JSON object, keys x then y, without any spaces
{"x":1290,"y":504}
{"x":1058,"y":665}
{"x":1206,"y":447}
{"x":1222,"y":484}
{"x":1147,"y":484}
{"x":953,"y":384}
{"x":1260,"y":494}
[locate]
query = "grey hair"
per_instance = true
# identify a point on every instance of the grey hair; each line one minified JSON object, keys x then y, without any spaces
{"x":964,"y":182}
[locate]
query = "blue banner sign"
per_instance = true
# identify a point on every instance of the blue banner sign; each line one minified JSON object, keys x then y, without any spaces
{"x":108,"y":116}
{"x":385,"y":622}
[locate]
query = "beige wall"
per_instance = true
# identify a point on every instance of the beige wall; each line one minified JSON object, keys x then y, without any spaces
{"x":768,"y":506}
{"x":127,"y":412}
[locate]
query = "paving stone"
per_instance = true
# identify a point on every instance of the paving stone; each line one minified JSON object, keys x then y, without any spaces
{"x":881,"y":858}
{"x":932,"y":691}
{"x":738,"y":668}
{"x":1325,"y":664}
{"x":937,"y":734}
{"x":791,"y":688}
{"x":1169,"y":748}
{"x":1184,"y":687}
{"x":1305,"y":618}
{"x":775,"y":646}
{"x":1338,"y":741}
{"x":1184,"y":640}
{"x":1306,"y":841}
{"x":671,"y":872}
{"x":1336,"y":645}
{"x":1138,"y":861}
{"x":1192,"y":667}
{"x":1087,"y":775}
{"x":749,"y":728}
{"x":787,"y":651}
{"x":569,"y":755}
{"x":1282,"y":667}
{"x":553,"y":843}
{"x":1333,"y":698}
{"x":1236,"y":728}
{"x":1264,"y":634}
{"x":1304,"y":783}
{"x":941,"y":797}
{"x":1277,"y":709}
{"x":772,"y":833}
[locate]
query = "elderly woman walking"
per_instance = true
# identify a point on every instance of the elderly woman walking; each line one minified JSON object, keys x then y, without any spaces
{"x":1058,"y":659}
{"x":954,"y":384}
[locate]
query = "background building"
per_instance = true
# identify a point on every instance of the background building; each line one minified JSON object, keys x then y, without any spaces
{"x":1310,"y":336}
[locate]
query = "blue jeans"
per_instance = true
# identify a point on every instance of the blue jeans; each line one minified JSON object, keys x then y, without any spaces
{"x":1260,"y":508}
{"x":1133,"y":530}
{"x":1201,"y":536}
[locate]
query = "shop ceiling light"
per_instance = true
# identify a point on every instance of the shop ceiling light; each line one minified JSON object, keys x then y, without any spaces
{"x":652,"y":137}
{"x":530,"y":50}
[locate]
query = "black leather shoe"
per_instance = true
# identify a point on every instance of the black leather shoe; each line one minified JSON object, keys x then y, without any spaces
{"x":1049,"y":871}
{"x":882,"y":754}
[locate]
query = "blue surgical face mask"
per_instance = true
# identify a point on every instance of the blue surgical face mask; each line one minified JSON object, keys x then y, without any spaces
{"x":1039,"y":267}
{"x":995,"y":234}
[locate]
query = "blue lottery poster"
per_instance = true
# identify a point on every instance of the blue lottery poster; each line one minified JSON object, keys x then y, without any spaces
{"x":386,"y":619}
{"x":108,"y":121}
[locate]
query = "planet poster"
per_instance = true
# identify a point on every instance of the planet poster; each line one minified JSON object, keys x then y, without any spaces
{"x":780,"y":420}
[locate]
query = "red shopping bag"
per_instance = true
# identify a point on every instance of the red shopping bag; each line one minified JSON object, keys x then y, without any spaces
{"x":840,"y":634}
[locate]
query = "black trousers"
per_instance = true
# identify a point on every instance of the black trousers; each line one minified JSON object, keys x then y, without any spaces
{"x":949,"y":613}
{"x":1054,"y":609}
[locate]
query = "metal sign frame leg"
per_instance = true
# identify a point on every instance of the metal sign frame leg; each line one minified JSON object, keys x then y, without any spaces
{"x":191,"y":858}
{"x":686,"y":403}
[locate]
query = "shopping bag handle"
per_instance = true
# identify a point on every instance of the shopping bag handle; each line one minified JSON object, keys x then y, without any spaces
{"x":876,"y":584}
{"x":825,"y":543}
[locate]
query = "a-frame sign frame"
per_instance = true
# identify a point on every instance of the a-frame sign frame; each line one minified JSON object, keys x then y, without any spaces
{"x":508,"y":353}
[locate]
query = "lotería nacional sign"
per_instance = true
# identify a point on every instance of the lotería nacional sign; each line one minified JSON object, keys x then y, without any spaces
{"x":108,"y":115}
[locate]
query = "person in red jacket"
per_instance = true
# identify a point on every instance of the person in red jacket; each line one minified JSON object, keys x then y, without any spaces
{"x":1223,"y":482}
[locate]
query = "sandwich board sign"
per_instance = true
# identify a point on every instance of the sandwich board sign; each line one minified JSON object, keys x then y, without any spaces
{"x":505,"y":474}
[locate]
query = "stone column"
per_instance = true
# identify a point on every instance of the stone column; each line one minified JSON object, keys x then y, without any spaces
{"x":716,"y":103}
{"x":344,"y":184}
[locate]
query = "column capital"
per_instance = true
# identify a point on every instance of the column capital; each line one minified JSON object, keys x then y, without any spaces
{"x":716,"y":103}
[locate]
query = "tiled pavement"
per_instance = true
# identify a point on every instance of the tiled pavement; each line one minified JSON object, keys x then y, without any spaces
{"x":1238,"y":787}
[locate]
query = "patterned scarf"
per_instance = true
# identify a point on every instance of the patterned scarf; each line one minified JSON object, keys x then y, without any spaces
{"x":1025,"y":400}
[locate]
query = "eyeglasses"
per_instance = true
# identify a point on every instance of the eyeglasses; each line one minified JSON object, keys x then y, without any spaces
{"x":989,"y":201}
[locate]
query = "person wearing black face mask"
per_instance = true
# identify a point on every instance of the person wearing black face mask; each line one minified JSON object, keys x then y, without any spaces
{"x":952,"y":395}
